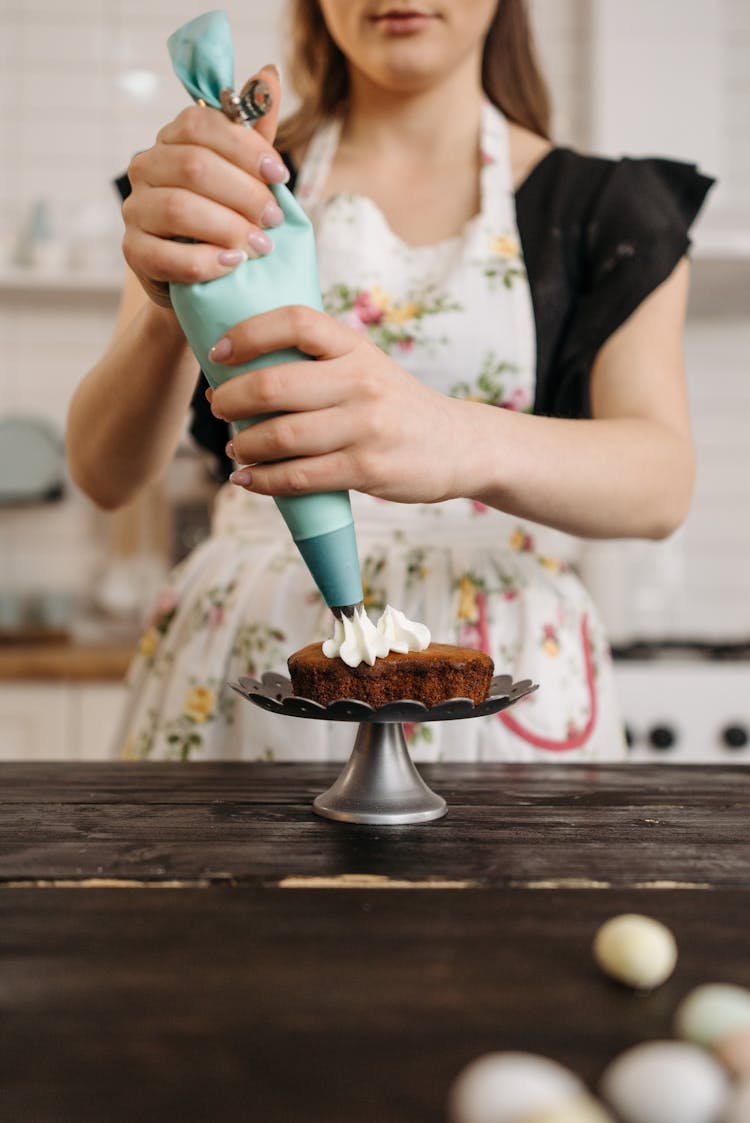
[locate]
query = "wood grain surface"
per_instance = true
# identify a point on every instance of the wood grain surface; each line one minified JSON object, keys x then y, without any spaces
{"x":192,"y":944}
{"x":252,"y":824}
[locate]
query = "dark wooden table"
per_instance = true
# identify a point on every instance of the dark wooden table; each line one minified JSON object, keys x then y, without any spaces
{"x":190,"y":943}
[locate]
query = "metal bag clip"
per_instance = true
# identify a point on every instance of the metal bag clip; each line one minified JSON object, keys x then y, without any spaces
{"x":252,"y":102}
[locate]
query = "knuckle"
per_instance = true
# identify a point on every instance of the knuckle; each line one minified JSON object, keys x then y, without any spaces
{"x":174,"y":209}
{"x":364,"y":464}
{"x":128,"y":208}
{"x":128,"y":251}
{"x":370,"y":387}
{"x":193,"y":164}
{"x":301,"y":319}
{"x":136,"y":167}
{"x":298,"y":479}
{"x":191,"y":270}
{"x":191,"y":121}
{"x":281,"y":438}
{"x":265,"y":386}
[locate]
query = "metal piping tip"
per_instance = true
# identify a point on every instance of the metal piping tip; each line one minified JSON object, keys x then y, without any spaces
{"x":252,"y":102}
{"x":347,"y":610}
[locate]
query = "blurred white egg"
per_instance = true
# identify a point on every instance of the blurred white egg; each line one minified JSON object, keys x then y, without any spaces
{"x":712,"y":1012}
{"x":508,"y":1087}
{"x":579,"y":1110}
{"x":666,"y":1082}
{"x":636,"y":950}
{"x":739,"y":1105}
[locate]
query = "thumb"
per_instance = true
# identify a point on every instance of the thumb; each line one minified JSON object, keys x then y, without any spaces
{"x":268,"y":124}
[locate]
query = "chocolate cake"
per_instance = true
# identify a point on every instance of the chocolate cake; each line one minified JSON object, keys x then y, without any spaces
{"x":431,"y":676}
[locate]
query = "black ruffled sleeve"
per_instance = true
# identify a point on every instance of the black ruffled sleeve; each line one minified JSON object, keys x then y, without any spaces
{"x":631,"y":235}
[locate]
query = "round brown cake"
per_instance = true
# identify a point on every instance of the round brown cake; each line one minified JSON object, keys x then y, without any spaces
{"x":431,"y":676}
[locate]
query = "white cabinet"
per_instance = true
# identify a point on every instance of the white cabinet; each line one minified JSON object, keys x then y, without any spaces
{"x":58,"y":721}
{"x":98,"y":710}
{"x":36,"y":720}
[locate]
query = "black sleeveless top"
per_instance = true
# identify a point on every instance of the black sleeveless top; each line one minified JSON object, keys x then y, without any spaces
{"x":598,"y":236}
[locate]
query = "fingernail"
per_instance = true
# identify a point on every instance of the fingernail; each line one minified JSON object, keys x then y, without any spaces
{"x":232,"y":257}
{"x":243,"y":477}
{"x":272,"y":66}
{"x":272,"y":170}
{"x":272,"y":215}
{"x":229,"y":450}
{"x":221,"y":350}
{"x":260,"y":242}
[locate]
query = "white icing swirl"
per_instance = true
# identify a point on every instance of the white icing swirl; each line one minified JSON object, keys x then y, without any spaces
{"x":357,"y":640}
{"x":402,"y":634}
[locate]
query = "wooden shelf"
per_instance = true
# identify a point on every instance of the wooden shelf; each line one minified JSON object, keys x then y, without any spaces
{"x":64,"y":661}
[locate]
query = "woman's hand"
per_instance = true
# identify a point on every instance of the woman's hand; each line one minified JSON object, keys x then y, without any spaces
{"x":351,"y":419}
{"x":205,"y":179}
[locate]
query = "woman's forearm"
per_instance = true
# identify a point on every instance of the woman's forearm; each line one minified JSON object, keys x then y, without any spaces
{"x":127,"y":414}
{"x":607,"y":478}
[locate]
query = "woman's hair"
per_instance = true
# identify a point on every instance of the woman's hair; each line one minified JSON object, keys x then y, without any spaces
{"x":511,"y":76}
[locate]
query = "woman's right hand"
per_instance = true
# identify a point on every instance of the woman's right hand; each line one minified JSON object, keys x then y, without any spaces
{"x":200,"y":202}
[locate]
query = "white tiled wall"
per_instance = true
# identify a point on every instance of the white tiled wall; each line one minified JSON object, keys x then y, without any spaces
{"x":74,"y":105}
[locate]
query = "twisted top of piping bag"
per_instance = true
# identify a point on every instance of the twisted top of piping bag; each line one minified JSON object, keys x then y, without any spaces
{"x":202,"y":55}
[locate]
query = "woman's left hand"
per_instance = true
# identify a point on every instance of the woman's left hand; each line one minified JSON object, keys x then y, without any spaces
{"x":351,"y":419}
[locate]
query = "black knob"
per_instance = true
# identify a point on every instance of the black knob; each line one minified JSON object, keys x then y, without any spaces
{"x":661,"y":737}
{"x":629,"y":736}
{"x":735,"y":736}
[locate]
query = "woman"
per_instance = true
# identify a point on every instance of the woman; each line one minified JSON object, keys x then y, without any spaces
{"x":465,"y":263}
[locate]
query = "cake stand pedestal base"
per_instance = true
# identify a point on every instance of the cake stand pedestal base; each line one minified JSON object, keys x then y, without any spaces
{"x":379,"y":783}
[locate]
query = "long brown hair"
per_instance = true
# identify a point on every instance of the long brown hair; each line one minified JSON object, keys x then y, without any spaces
{"x":511,"y":76}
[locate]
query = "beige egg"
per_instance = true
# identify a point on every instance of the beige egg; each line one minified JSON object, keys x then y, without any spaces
{"x":738,"y":1110}
{"x":581,"y":1110}
{"x":508,"y":1087}
{"x":635,"y":950}
{"x":712,"y":1012}
{"x":734,"y":1052}
{"x":665,"y":1082}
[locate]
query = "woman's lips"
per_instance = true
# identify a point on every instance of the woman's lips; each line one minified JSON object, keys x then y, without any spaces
{"x":402,"y":21}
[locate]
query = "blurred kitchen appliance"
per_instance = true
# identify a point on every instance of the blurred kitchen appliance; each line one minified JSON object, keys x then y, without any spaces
{"x":686,"y":703}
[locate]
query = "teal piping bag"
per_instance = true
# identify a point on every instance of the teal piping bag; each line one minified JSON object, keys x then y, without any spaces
{"x":321,"y":525}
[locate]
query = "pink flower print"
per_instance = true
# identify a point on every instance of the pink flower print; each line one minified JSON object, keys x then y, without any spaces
{"x":367,"y":309}
{"x":215,"y":616}
{"x":519,"y":400}
{"x":550,"y":641}
{"x":521,"y":541}
{"x":352,"y":320}
{"x":163,"y":610}
{"x":472,"y":610}
{"x":406,"y":344}
{"x":479,"y":508}
{"x":485,"y":158}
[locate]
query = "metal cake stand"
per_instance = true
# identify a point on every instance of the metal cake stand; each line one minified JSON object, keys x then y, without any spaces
{"x":379,"y":783}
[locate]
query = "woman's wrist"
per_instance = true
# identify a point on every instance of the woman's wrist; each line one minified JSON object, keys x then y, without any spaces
{"x":156,"y":291}
{"x":162,"y":326}
{"x":478,"y":433}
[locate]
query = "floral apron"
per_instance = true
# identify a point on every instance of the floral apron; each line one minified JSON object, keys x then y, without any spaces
{"x":458,"y":316}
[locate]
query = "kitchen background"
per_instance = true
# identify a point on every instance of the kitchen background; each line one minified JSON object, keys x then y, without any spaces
{"x":83,"y":86}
